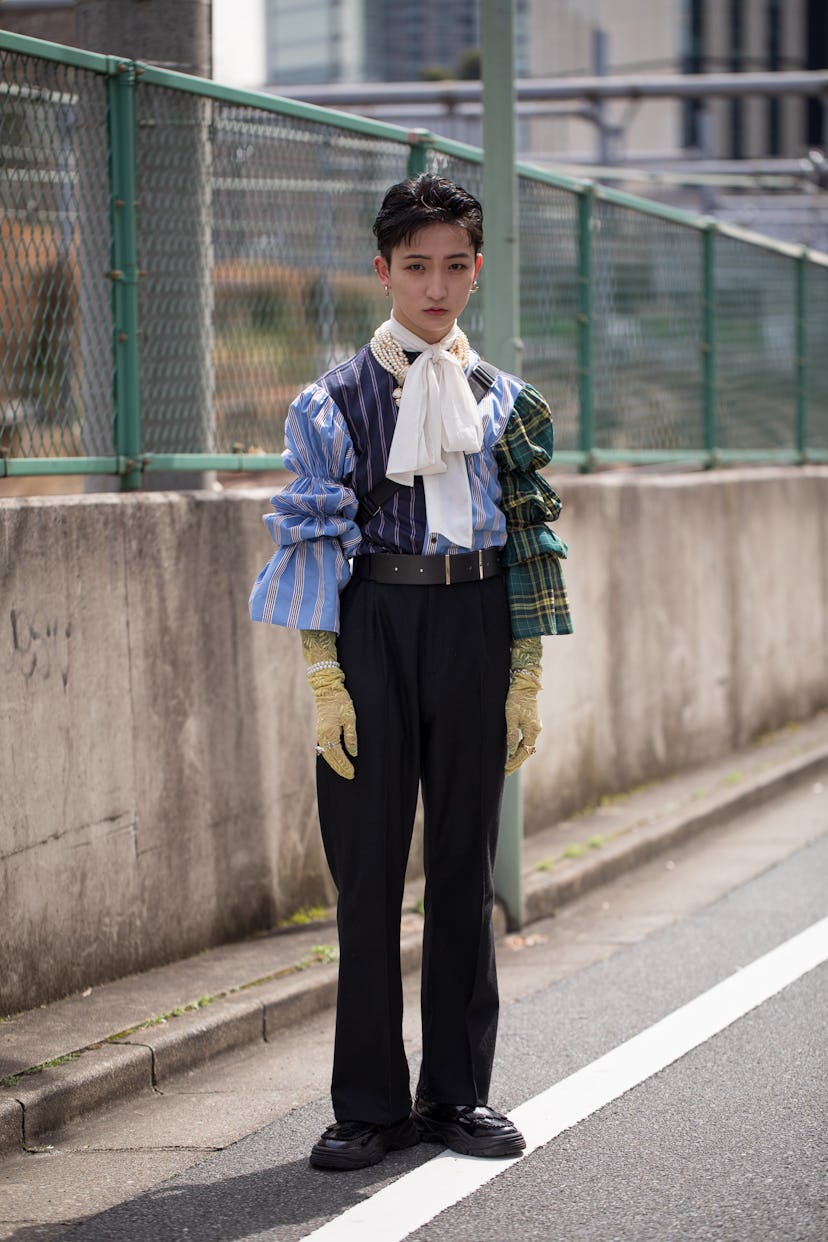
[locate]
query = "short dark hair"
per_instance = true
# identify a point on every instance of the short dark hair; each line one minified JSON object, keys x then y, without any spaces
{"x":413,"y":204}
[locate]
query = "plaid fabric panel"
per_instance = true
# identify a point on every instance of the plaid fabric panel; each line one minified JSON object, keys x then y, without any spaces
{"x":528,"y":500}
{"x":538,"y":601}
{"x":529,"y":440}
{"x":527,"y":544}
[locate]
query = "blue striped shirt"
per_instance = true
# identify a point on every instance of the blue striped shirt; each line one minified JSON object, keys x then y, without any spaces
{"x":337,"y":439}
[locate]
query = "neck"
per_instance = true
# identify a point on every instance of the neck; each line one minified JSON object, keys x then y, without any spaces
{"x":429,"y":338}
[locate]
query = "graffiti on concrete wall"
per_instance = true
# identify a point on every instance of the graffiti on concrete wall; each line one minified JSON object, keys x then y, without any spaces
{"x":40,"y":645}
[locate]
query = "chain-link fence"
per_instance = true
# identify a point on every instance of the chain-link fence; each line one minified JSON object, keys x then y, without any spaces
{"x":178,"y":259}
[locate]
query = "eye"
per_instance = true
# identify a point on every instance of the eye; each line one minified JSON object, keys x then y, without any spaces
{"x":460,"y":267}
{"x":414,"y":267}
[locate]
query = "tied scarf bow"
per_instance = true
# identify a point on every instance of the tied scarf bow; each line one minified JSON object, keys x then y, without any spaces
{"x":439,"y":423}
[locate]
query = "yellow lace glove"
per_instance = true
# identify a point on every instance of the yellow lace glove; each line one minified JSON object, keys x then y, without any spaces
{"x":335,"y":715}
{"x":523,"y":722}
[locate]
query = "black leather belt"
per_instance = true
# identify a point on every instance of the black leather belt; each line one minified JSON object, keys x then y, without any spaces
{"x":428,"y":570}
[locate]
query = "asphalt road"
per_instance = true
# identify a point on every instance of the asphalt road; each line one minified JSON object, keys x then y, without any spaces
{"x":728,"y":1143}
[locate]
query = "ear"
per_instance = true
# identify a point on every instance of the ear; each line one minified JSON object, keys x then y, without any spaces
{"x":478,"y":263}
{"x":381,"y":268}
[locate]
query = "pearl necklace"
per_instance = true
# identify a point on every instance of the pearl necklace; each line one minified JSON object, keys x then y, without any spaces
{"x":390,"y":354}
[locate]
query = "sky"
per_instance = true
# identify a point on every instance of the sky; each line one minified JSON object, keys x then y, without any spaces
{"x":238,"y":42}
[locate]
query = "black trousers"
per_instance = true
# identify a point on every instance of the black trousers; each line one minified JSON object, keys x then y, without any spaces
{"x":427,"y":668}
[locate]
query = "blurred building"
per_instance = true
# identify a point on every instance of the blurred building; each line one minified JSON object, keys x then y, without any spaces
{"x":643,"y":37}
{"x":319,"y":42}
{"x":322,"y":41}
{"x":754,"y":159}
{"x":40,"y":19}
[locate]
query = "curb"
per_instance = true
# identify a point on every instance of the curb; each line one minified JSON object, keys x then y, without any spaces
{"x":118,"y":1068}
{"x":44,"y":1101}
{"x":544,"y":897}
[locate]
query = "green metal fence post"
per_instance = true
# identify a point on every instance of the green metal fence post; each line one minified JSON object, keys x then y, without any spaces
{"x":708,"y":346}
{"x":801,"y":276}
{"x":586,"y":421}
{"x":124,"y":273}
{"x":419,"y":141}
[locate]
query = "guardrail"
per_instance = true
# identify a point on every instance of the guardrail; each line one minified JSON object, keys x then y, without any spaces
{"x":178,"y":258}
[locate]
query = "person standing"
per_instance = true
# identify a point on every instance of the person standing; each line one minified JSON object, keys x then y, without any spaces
{"x":413,"y":554}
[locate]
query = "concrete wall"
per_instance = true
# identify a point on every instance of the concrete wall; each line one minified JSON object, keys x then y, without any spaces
{"x":157,"y":784}
{"x":156,"y":748}
{"x":701,"y":611}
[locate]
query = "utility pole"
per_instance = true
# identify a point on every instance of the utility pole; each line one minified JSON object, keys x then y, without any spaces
{"x":501,"y":328}
{"x":501,"y":305}
{"x":600,"y":68}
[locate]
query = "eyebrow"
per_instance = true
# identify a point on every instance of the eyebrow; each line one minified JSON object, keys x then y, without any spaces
{"x":461,"y":254}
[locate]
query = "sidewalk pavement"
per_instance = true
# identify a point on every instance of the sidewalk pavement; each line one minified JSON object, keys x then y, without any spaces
{"x":114,"y":1041}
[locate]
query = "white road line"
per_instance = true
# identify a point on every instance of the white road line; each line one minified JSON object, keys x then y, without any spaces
{"x":416,"y":1198}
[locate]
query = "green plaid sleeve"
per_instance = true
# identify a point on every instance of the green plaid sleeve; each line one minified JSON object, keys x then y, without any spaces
{"x":538,"y":601}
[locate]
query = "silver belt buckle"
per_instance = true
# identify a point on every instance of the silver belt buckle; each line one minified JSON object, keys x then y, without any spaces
{"x":480,"y":564}
{"x":448,"y":570}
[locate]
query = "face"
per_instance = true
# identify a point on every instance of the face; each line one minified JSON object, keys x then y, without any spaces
{"x":430,"y":277}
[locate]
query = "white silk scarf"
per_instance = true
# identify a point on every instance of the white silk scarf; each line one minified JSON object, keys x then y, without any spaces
{"x":439,"y":422}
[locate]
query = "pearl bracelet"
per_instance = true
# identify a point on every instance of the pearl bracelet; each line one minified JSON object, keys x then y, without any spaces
{"x":534,"y":673}
{"x":315,"y":668}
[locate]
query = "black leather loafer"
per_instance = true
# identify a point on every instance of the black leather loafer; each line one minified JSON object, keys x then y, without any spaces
{"x":358,"y":1144}
{"x":472,"y":1131}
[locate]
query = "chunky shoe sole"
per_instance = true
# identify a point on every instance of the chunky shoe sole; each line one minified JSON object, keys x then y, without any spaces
{"x":454,"y":1136}
{"x":372,"y":1151}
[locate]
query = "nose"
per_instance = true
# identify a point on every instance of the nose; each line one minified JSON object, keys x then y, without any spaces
{"x":436,"y":287}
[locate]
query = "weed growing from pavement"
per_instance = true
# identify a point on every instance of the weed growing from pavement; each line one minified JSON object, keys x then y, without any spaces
{"x":546,"y":864}
{"x":614,"y":799}
{"x":325,"y":953}
{"x":13,"y":1079}
{"x":576,"y":849}
{"x":305,"y":915}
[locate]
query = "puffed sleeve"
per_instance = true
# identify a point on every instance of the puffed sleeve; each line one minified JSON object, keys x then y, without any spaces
{"x":533,"y":553}
{"x":312,"y":523}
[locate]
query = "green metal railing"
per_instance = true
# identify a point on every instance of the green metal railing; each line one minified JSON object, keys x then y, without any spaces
{"x":177,"y":259}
